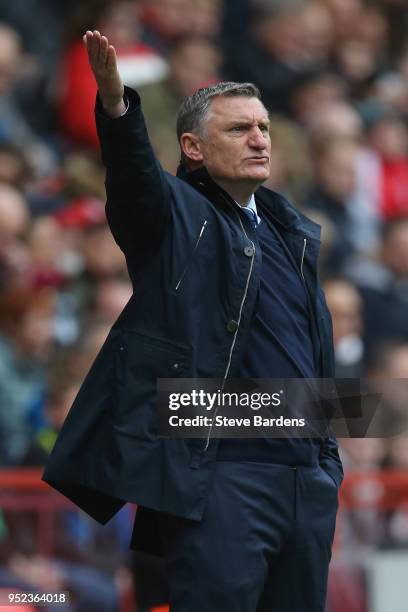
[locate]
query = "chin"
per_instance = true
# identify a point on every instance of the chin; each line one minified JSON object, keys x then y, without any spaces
{"x":258,"y":177}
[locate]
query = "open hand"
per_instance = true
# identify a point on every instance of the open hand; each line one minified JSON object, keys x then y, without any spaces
{"x":102,"y":58}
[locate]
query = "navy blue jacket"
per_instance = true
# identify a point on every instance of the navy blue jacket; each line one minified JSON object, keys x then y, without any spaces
{"x":195,"y":275}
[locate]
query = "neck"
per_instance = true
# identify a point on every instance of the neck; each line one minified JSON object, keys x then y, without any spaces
{"x":241,"y":193}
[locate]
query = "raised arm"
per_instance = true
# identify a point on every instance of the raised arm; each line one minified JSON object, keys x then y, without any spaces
{"x":138,"y":197}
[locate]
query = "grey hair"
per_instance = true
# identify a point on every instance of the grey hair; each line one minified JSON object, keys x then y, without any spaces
{"x":196,"y":108}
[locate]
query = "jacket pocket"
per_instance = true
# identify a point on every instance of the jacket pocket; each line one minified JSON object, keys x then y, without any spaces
{"x":330,"y":475}
{"x":140,"y":361}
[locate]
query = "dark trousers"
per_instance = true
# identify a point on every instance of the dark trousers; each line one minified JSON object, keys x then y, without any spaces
{"x":264,"y":543}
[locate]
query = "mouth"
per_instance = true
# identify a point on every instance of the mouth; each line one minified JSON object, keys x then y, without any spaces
{"x":258,"y":159}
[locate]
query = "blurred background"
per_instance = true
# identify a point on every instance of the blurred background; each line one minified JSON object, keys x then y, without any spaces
{"x":334,"y":75}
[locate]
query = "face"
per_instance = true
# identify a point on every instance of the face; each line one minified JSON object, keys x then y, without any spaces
{"x":317,"y":30}
{"x":395,"y":250}
{"x":345,"y":306}
{"x":103,"y":258}
{"x":194,"y":65}
{"x":236,"y":146}
{"x":9,"y":58}
{"x":336,"y":170}
{"x":170,"y":17}
{"x":282,"y":36}
{"x":320,"y":94}
{"x":120,"y":24}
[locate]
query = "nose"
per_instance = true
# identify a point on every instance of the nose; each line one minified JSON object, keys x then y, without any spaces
{"x":257,"y":138}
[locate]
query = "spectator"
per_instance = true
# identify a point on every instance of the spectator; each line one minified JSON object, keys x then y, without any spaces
{"x":291,"y":171}
{"x":374,"y":30}
{"x":361,"y":55}
{"x":316,"y":89}
{"x":14,"y":215}
{"x":205,"y":18}
{"x":235,"y":19}
{"x":45,"y":243}
{"x":337,"y":119}
{"x":14,"y":223}
{"x":273,"y":57}
{"x":138,"y":64}
{"x":345,"y":305}
{"x":365,"y":528}
{"x":335,"y":182}
{"x":30,"y":18}
{"x":61,"y":391}
{"x":164,"y":21}
{"x":10,"y":54}
{"x":388,"y":138}
{"x":318,"y":31}
{"x":398,"y":519}
{"x":37,"y":67}
{"x":14,"y":129}
{"x":81,"y":354}
{"x":194,"y":62}
{"x":102,"y":257}
{"x":398,"y":21}
{"x":87,"y":256}
{"x":25,"y":346}
{"x":383,"y":286}
{"x":346,"y":16}
{"x":111,"y":296}
{"x":14,"y":167}
{"x":388,"y":377}
{"x":402,"y":62}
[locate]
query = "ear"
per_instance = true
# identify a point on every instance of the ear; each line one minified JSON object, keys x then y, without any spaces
{"x":191,"y":147}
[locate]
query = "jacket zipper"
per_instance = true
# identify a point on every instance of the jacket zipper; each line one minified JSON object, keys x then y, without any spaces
{"x":303,"y":256}
{"x":191,"y":256}
{"x":236,"y":331}
{"x":239,"y":319}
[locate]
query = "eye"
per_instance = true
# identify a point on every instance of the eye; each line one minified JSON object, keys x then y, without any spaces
{"x":264,"y":128}
{"x":237,"y":128}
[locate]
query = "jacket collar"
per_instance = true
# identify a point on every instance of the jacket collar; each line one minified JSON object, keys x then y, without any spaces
{"x":202,"y":182}
{"x":269,"y":202}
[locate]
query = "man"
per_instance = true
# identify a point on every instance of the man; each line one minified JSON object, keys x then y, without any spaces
{"x":244,"y":525}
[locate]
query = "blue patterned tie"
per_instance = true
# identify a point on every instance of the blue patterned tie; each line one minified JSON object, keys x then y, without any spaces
{"x":251,"y":214}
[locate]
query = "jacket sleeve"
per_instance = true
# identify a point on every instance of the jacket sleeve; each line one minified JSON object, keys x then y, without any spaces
{"x":138,"y":196}
{"x":330,"y":460}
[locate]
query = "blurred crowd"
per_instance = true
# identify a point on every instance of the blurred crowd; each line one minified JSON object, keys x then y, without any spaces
{"x":334,"y":76}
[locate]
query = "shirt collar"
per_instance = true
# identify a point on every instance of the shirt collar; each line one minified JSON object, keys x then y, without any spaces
{"x":252,"y":205}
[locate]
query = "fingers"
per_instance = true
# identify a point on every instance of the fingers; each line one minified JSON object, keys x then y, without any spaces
{"x":111,"y":58}
{"x":92,"y":44}
{"x":102,"y":59}
{"x":103,"y":51}
{"x":97,"y":47}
